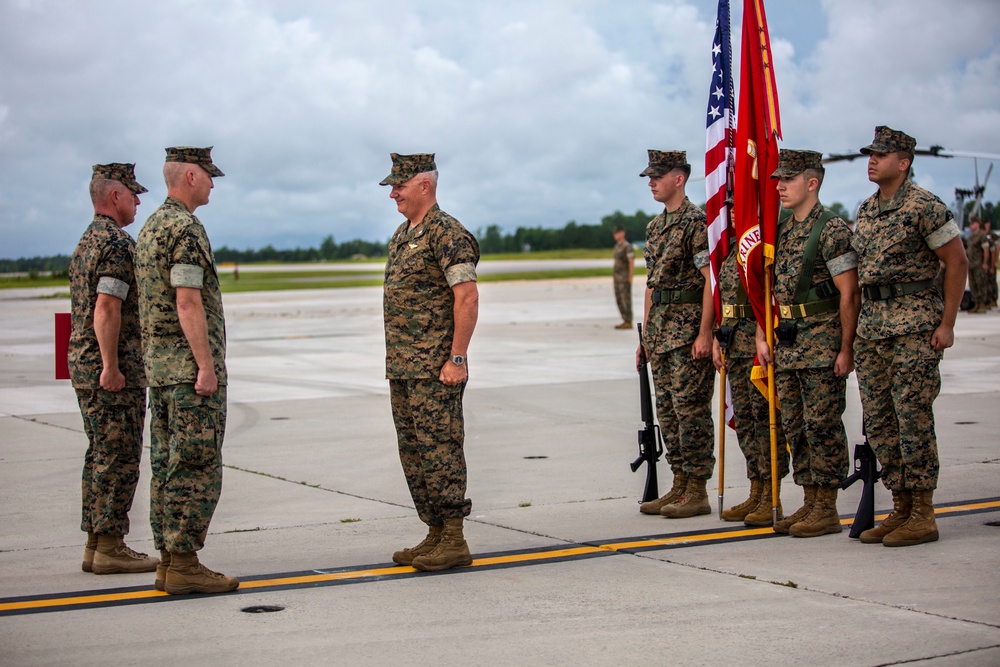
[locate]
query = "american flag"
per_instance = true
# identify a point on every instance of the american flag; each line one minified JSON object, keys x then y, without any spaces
{"x":719,"y":154}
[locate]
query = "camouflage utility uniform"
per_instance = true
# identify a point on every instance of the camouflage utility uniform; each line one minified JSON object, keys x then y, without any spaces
{"x":812,"y":398}
{"x":103,"y":264}
{"x":424,"y":263}
{"x":186,"y":430}
{"x":676,"y":250}
{"x":750,"y":407}
{"x":896,"y":364}
{"x":977,"y":247}
{"x":624,"y":258}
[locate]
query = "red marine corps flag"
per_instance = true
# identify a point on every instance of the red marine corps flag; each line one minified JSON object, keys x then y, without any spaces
{"x":758,"y":128}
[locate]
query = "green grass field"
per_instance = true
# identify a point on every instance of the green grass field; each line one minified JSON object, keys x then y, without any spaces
{"x":262,"y":280}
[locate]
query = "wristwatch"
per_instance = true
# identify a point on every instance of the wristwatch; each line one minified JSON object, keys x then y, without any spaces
{"x":457,"y":359}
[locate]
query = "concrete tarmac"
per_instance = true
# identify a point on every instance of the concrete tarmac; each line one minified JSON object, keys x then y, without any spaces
{"x":567,"y":571}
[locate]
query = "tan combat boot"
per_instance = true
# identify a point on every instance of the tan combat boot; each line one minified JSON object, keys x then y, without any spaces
{"x":920,"y":527}
{"x":111,"y":556}
{"x":654,"y":506}
{"x":809,"y":497}
{"x":161,"y":570}
{"x":88,"y":553}
{"x":693,"y":502}
{"x":822,"y":518}
{"x":451,"y":551}
{"x":186,"y":575}
{"x":901,"y":506}
{"x":762,"y":514}
{"x":406,"y":556}
{"x":739,"y":512}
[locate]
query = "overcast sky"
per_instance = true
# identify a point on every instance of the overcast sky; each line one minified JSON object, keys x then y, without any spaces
{"x":540,"y":111}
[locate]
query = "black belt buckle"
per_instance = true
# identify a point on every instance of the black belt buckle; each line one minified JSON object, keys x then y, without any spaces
{"x":724,"y":335}
{"x":786,"y":333}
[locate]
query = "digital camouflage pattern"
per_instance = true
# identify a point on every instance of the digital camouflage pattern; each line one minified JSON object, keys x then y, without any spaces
{"x":624,"y":257}
{"x":405,"y":167}
{"x":976,"y":247}
{"x":424,"y":263}
{"x":676,"y":250}
{"x":812,"y":408}
{"x":794,"y":162}
{"x":191,"y":155}
{"x":430,"y":432}
{"x":897,"y":246}
{"x":186,"y":434}
{"x":113,"y":422}
{"x":123,"y":172}
{"x":819,"y":336}
{"x":103,"y":263}
{"x":662,"y":162}
{"x":750,"y":408}
{"x":888,"y":140}
{"x":899,"y":379}
{"x":173,"y":237}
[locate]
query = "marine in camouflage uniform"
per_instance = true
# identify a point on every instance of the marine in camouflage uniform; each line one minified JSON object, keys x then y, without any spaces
{"x":430,"y":307}
{"x":184,"y":350}
{"x":751,"y":412}
{"x":977,"y":248}
{"x":624,"y":267}
{"x":902,"y":233}
{"x":814,"y":352}
{"x":677,"y":336}
{"x":991,"y":266}
{"x":105,"y":362}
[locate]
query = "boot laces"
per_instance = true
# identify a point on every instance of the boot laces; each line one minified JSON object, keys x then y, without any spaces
{"x":127,"y":552}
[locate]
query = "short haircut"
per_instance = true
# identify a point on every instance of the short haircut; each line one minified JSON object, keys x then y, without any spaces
{"x":619,"y":228}
{"x":818,"y":173}
{"x":684,"y":169}
{"x":173,"y":173}
{"x":101,"y":188}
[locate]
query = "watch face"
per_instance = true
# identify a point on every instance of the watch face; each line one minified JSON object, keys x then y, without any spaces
{"x":458,"y":360}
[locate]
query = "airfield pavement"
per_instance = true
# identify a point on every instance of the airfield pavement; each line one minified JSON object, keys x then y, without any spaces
{"x":567,"y":571}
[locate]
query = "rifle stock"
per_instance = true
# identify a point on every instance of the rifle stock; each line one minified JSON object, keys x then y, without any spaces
{"x":866,"y":470}
{"x":650,"y":443}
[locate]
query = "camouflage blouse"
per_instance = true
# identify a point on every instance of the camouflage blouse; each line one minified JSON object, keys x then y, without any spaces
{"x":624,"y":255}
{"x":744,"y":344}
{"x":173,"y":251}
{"x":424,"y":263}
{"x":676,"y":250}
{"x":818,"y":339}
{"x":896,"y":245}
{"x":102,"y":264}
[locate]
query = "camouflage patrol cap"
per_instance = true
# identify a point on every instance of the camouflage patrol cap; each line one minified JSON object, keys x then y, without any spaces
{"x":661,"y":162}
{"x":888,"y":140}
{"x":792,"y":163}
{"x":191,"y":155}
{"x":405,"y":167}
{"x":122,"y":172}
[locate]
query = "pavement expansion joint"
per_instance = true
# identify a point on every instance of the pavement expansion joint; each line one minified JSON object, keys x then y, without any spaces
{"x":489,"y":561}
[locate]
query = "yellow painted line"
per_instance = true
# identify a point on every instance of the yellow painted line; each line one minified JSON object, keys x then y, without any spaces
{"x":374,"y":573}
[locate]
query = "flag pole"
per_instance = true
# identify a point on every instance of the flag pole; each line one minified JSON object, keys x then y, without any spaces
{"x":771,"y":399}
{"x":722,"y":432}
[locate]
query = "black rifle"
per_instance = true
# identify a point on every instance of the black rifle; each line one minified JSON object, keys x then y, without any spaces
{"x":865,"y":469}
{"x":650,"y":443}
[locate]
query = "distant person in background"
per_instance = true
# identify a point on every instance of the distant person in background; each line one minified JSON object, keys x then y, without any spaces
{"x":105,"y":361}
{"x":977,"y":250}
{"x":991,"y":266}
{"x":904,"y":327}
{"x":184,"y":349}
{"x":678,"y":317}
{"x":430,"y":305}
{"x":624,"y":270}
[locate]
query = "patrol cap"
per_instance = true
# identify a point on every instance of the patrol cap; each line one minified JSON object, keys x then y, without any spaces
{"x":661,"y":162}
{"x":191,"y":155}
{"x":792,"y":162}
{"x":122,"y":172}
{"x":405,"y":167}
{"x":888,"y":140}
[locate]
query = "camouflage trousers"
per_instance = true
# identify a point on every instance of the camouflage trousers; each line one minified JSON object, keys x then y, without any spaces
{"x":113,"y":422}
{"x":899,"y":380}
{"x":812,"y":408}
{"x":623,"y":297}
{"x":753,"y":422}
{"x":186,"y":432}
{"x":430,"y":432}
{"x":684,"y":390}
{"x":979,"y":285}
